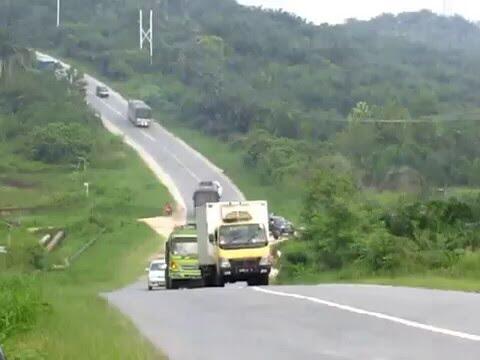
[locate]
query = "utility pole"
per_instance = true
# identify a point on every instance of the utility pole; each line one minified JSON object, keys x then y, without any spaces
{"x":58,"y":13}
{"x":148,"y":34}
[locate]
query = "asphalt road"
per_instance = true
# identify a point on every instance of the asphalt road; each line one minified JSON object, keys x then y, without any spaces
{"x":185,"y":167}
{"x":331,"y":322}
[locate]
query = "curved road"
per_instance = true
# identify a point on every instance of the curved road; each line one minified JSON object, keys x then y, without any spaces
{"x":334,"y":322}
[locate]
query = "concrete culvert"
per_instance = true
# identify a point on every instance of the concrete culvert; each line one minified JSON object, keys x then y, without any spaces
{"x":45,"y":240}
{"x":57,"y":239}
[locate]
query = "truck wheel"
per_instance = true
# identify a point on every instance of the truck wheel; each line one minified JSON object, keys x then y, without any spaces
{"x":149,"y":288}
{"x":260,"y":280}
{"x":219,"y":281}
{"x":173,"y":284}
{"x":263,"y":280}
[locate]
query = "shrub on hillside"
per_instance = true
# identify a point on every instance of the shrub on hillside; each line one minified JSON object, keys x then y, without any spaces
{"x":60,"y":142}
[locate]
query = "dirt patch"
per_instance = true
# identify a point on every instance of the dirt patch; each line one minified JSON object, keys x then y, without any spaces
{"x":17,"y":183}
{"x":163,"y":226}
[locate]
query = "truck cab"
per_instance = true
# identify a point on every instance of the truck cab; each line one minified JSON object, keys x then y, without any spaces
{"x":181,"y":255}
{"x":233,"y":242}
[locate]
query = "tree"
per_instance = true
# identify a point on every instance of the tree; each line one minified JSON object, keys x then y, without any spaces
{"x":60,"y":142}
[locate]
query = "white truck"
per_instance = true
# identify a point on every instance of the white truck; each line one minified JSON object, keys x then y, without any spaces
{"x":233,"y":242}
{"x":139,"y":113}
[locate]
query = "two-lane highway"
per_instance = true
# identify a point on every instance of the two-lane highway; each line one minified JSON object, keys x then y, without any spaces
{"x":185,"y":167}
{"x":331,"y":322}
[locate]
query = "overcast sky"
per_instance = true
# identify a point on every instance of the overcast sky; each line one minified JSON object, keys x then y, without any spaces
{"x":336,"y":11}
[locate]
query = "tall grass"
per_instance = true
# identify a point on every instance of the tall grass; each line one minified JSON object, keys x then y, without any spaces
{"x":20,"y":304}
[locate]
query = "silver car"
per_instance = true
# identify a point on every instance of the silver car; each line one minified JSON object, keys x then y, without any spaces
{"x":156,"y":274}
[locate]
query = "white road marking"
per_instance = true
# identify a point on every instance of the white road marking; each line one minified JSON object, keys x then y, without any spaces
{"x":405,"y":322}
{"x":192,"y":174}
{"x":148,"y":136}
{"x":111,"y":108}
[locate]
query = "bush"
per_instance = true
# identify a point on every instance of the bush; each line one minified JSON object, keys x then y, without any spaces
{"x":346,"y":234}
{"x":59,"y":142}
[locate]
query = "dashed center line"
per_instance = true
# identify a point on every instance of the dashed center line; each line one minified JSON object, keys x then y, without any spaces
{"x":150,"y":137}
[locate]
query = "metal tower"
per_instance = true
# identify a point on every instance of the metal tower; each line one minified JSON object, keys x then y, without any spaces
{"x":146,"y":35}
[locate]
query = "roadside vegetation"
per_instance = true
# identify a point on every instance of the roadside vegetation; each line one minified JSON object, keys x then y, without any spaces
{"x":387,"y":109}
{"x":50,"y":146}
{"x":349,"y":236}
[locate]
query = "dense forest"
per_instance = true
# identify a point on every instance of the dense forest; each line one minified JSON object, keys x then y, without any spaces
{"x":294,"y":95}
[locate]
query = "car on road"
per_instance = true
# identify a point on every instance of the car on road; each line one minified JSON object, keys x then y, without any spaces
{"x":156,"y":274}
{"x":279,"y":226}
{"x":102,"y":91}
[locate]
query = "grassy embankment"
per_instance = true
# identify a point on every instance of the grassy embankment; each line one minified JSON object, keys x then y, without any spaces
{"x":76,"y":323}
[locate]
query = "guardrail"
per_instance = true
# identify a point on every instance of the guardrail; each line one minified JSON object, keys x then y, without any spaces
{"x":69,"y":260}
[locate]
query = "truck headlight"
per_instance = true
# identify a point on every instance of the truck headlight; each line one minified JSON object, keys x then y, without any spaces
{"x":266,"y":261}
{"x":224,"y":263}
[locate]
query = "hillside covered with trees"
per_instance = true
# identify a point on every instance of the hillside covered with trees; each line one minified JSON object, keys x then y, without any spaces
{"x":283,"y":89}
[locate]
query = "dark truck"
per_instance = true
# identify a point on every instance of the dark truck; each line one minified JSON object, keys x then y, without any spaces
{"x":206,"y":192}
{"x":279,"y":226}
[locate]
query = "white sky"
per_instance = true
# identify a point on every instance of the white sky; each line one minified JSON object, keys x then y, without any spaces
{"x":336,"y":11}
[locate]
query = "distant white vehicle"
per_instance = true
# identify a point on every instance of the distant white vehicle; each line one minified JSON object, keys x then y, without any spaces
{"x":156,"y":274}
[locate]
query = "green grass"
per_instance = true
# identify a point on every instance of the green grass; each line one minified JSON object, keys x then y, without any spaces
{"x":78,"y":323}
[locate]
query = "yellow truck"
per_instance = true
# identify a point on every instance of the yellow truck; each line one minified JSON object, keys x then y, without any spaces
{"x":233,"y":242}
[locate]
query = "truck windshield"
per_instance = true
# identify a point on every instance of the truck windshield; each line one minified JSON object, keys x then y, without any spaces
{"x":144,"y":113}
{"x":238,"y":236}
{"x":184,"y":247}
